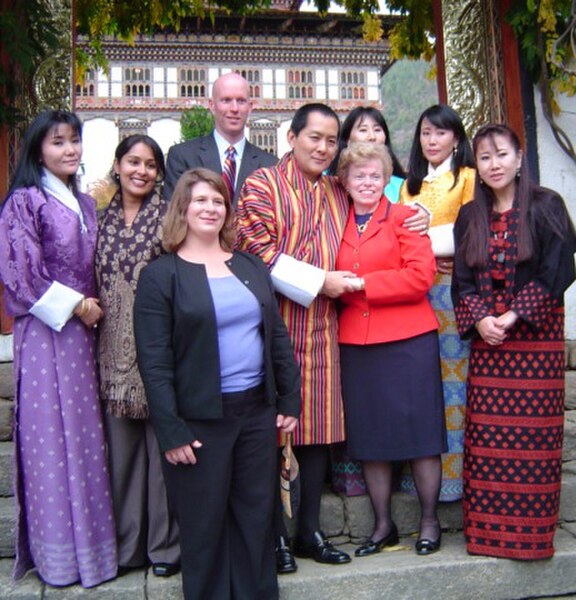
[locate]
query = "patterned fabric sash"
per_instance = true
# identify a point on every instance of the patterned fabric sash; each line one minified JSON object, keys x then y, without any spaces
{"x":497,"y":278}
{"x":121,"y":254}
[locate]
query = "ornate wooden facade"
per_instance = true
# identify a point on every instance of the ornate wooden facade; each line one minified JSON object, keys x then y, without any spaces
{"x":288,"y":57}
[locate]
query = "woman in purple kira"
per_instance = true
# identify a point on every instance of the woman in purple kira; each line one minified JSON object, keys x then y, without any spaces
{"x":65,"y":525}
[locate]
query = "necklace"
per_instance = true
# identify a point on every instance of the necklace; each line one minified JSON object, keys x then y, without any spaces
{"x":500,"y":234}
{"x":362,"y":222}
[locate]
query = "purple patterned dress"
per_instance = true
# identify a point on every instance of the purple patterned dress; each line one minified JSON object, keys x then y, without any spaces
{"x":65,"y":522}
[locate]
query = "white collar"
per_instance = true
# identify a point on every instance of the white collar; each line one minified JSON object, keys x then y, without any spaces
{"x":59,"y":190}
{"x":223,"y":145}
{"x":444,"y":167}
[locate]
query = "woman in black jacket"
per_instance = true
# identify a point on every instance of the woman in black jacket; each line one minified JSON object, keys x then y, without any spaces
{"x":514,"y":260}
{"x":220,"y":379}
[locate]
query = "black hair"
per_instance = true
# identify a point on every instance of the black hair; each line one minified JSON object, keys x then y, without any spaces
{"x":29,"y":167}
{"x":138,"y":138}
{"x":443,"y":117}
{"x":300,"y":118}
{"x":358,"y":114}
{"x":475,"y":240}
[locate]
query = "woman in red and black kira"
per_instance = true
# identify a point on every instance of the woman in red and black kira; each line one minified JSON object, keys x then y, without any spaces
{"x":514,"y":260}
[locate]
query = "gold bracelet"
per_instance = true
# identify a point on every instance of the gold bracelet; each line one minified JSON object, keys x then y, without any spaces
{"x":84,"y":308}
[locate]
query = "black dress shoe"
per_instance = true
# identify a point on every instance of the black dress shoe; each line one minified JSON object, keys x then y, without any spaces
{"x":321,"y":550}
{"x":165,"y":569}
{"x":285,"y":562}
{"x":369,"y":547}
{"x":425,"y":546}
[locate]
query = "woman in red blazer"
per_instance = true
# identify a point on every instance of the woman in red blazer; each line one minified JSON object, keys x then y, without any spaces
{"x":391,"y":379}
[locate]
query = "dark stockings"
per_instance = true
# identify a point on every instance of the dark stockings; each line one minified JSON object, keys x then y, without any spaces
{"x":313,"y":462}
{"x":378,"y":476}
{"x":427,"y":473}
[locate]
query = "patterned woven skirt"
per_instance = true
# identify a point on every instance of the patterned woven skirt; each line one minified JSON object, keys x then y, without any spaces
{"x":513,"y":443}
{"x":454,"y":355}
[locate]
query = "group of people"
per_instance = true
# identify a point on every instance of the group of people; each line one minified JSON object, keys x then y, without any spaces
{"x":167,"y":346}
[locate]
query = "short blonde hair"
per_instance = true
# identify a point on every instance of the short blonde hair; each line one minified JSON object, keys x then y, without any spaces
{"x":175,"y":224}
{"x":362,"y":152}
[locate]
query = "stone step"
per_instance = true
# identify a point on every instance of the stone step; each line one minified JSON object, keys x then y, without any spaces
{"x":6,"y":384}
{"x":7,"y":528}
{"x":6,"y":468}
{"x":349,"y":519}
{"x":6,"y":419}
{"x":451,"y":574}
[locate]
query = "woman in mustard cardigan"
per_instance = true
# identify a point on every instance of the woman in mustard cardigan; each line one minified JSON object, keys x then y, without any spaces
{"x":387,"y":332}
{"x":441,"y":178}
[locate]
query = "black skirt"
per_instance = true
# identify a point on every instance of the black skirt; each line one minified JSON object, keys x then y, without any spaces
{"x":393,"y":399}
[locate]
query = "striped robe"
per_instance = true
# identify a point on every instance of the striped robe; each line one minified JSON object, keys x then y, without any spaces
{"x":280,"y":211}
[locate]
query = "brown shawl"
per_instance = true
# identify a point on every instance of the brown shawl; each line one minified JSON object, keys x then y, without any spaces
{"x":121,"y":252}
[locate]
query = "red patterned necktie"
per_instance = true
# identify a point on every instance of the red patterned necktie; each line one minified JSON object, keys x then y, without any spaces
{"x":229,"y":171}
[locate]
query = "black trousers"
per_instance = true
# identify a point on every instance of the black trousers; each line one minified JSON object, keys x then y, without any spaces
{"x":224,"y":503}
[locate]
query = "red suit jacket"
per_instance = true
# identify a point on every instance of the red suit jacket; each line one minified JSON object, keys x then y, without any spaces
{"x":398,"y":267}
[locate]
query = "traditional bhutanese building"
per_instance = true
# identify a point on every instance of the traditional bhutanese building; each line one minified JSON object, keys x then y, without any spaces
{"x":288,"y":57}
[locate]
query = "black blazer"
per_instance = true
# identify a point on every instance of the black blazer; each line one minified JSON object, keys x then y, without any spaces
{"x":551,"y":266}
{"x":177,"y":344}
{"x":203,"y":152}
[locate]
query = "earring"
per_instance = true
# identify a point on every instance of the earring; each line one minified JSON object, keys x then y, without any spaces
{"x":481,"y":180}
{"x":116,"y":177}
{"x":518,"y":173}
{"x":455,"y":150}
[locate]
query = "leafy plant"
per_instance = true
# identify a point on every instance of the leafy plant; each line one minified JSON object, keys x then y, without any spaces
{"x":195,"y":122}
{"x":27,"y":36}
{"x":546,"y":31}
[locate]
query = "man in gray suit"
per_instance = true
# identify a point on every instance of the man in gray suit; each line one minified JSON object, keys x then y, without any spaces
{"x":231,"y":106}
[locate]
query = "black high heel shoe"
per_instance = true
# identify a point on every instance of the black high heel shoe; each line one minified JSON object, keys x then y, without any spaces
{"x":425,"y":546}
{"x":369,"y":547}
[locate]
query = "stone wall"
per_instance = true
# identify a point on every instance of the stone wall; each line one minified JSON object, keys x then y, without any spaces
{"x":558,"y":172}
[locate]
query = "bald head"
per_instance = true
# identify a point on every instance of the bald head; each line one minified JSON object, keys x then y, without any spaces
{"x":231,"y":105}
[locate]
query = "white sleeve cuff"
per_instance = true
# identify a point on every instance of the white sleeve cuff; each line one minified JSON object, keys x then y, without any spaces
{"x":297,"y":280}
{"x":56,"y":305}
{"x":442,"y":238}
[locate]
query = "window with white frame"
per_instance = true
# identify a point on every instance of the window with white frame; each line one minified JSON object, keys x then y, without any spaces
{"x":300,"y":84}
{"x":193,"y":83}
{"x":352,"y":85}
{"x":254,"y":79}
{"x":137,"y":82}
{"x":88,"y":87}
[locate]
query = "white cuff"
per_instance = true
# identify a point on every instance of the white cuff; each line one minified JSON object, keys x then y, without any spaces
{"x":56,"y":305}
{"x":442,"y":238}
{"x":297,"y":280}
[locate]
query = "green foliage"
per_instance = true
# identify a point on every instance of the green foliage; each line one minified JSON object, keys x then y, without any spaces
{"x":195,"y":122}
{"x":407,"y":91}
{"x":27,"y":36}
{"x":412,"y":37}
{"x":127,"y":18}
{"x":544,"y":29}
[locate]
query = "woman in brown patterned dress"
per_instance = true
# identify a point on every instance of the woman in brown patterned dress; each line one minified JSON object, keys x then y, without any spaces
{"x":514,"y":261}
{"x":129,"y":237}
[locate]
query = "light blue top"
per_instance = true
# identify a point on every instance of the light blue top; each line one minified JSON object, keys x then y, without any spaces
{"x":240,"y":342}
{"x":392,"y":190}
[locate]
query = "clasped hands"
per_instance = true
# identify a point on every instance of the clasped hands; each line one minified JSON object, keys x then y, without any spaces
{"x":89,"y":312}
{"x":493,"y":330}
